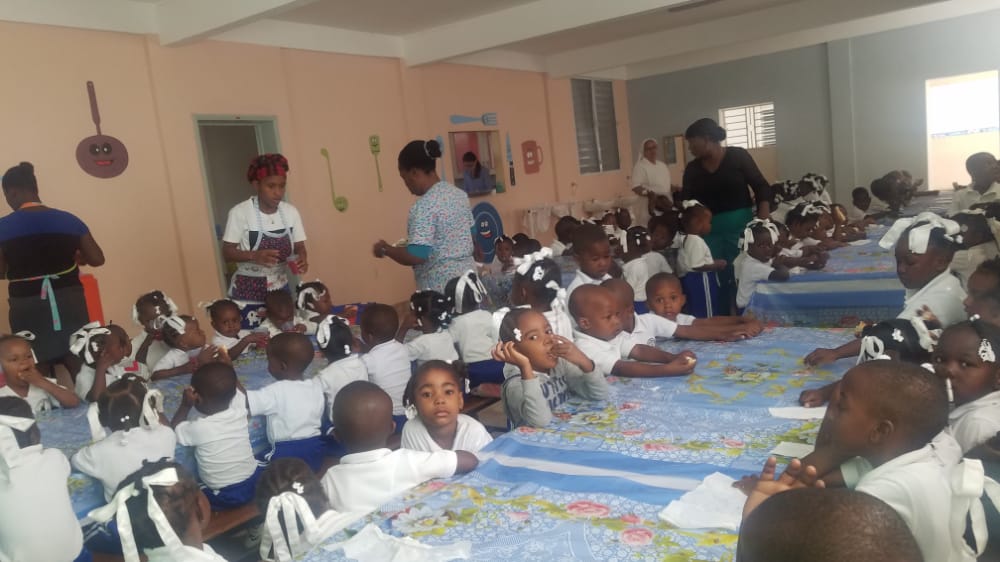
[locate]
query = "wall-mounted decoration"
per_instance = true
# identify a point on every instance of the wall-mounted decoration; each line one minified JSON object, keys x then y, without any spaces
{"x":531,"y":155}
{"x":102,"y":156}
{"x":482,"y":148}
{"x":488,"y":227}
{"x":444,"y":166}
{"x":339,"y":203}
{"x":488,"y":119}
{"x":510,"y":161}
{"x":375,"y":144}
{"x":674,"y":150}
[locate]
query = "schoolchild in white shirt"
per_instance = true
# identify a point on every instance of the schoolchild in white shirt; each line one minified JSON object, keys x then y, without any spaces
{"x":755,"y":264}
{"x":666,"y":299}
{"x":148,"y":346}
{"x":430,"y":313}
{"x":387,"y":360}
{"x":186,"y":341}
{"x":336,"y":343}
{"x":472,"y":329}
{"x":225,"y":316}
{"x":102,"y":353}
{"x":282,"y":315}
{"x":593,"y":255}
{"x":537,"y":286}
{"x":25,"y":381}
{"x":966,"y":358}
{"x":433,"y":410}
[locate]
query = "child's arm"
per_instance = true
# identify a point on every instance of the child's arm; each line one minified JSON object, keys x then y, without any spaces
{"x":254,"y":338}
{"x":822,"y":356}
{"x":467,"y":462}
{"x":525,"y":398}
{"x":667,"y":364}
{"x":408,"y":322}
{"x":716,"y":265}
{"x":184,"y":369}
{"x":797,"y":475}
{"x":720,"y":332}
{"x":780,"y":273}
{"x":650,"y":354}
{"x":188,"y":400}
{"x":589,"y":382}
{"x":815,"y":397}
{"x":66,"y":398}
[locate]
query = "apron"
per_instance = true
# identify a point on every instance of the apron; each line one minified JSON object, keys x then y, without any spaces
{"x":724,"y":241}
{"x":51,"y":316}
{"x":249,"y":285}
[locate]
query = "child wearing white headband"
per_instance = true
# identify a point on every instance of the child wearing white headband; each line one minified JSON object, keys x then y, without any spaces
{"x":336,"y":343}
{"x":472,"y":327}
{"x":966,"y":358}
{"x":148,"y":346}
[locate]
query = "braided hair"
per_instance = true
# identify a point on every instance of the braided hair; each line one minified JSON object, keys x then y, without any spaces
{"x":542,"y":280}
{"x":897,"y":335}
{"x":432,"y":306}
{"x":161,"y":304}
{"x":120,"y":405}
{"x":216,"y":308}
{"x":471,"y":296}
{"x":178,"y":502}
{"x":510,"y":322}
{"x":340,"y":342}
{"x":635,"y":238}
{"x":291,"y":474}
{"x":267,"y":165}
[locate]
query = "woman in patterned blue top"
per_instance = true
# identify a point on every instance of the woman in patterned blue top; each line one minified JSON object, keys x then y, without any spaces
{"x":439,"y":228}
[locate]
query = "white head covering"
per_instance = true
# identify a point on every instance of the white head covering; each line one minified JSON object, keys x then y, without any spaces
{"x":923,"y":224}
{"x":82,"y":343}
{"x":642,"y":149}
{"x":323,"y":331}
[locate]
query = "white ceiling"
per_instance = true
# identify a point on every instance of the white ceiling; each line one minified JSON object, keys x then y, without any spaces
{"x":614,"y":38}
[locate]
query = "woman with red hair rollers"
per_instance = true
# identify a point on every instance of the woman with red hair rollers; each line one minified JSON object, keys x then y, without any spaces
{"x":264,"y":235}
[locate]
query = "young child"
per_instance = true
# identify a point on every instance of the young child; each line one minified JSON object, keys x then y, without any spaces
{"x":387,"y":360}
{"x":282,"y":316}
{"x":148,"y":346}
{"x":503,"y":257}
{"x":550,"y":369}
{"x":641,"y":263}
{"x":472,"y":328}
{"x":755,"y":264}
{"x":695,"y":265}
{"x":666,"y":299}
{"x":430,"y":312}
{"x":565,"y":227}
{"x":371,"y":474}
{"x":219,"y":434}
{"x":593,"y":255}
{"x":537,"y":286}
{"x":885,"y":201}
{"x":25,"y":381}
{"x":225,"y":316}
{"x":186,"y":340}
{"x":314,"y":304}
{"x":102,"y":354}
{"x":33,"y":491}
{"x":173,"y":529}
{"x":925,"y":246}
{"x":336,"y":342}
{"x":434,"y":403}
{"x":966,"y":358}
{"x":983,"y":289}
{"x":600,"y":337}
{"x":126,"y":408}
{"x":289,"y":490}
{"x":293,"y":406}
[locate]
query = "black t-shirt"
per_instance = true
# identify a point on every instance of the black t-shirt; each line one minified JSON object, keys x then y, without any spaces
{"x":726,"y":188}
{"x":40,"y":242}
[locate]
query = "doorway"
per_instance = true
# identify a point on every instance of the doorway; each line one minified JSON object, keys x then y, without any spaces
{"x":226,"y":145}
{"x":963,"y":118}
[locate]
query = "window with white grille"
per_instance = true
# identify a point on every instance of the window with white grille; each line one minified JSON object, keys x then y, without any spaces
{"x":749,"y":126}
{"x":596,"y":126}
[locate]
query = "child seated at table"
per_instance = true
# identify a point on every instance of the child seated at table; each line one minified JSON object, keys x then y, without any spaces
{"x":812,"y":188}
{"x":599,"y":336}
{"x":965,"y":357}
{"x":281,"y":315}
{"x":371,"y":474}
{"x":313,"y":304}
{"x":696,"y":268}
{"x":128,"y":364}
{"x":810,"y":224}
{"x":924,"y":247}
{"x":791,"y":254}
{"x":387,"y":360}
{"x":472,"y":328}
{"x":102,"y":354}
{"x":857,"y":212}
{"x":593,"y":254}
{"x":550,"y":369}
{"x":786,"y":197}
{"x":37,"y":506}
{"x":666,"y":299}
{"x":290,"y":485}
{"x":641,"y":263}
{"x":430,"y":312}
{"x":538,"y":288}
{"x":434,"y":415}
{"x":910,"y":341}
{"x":219,"y":434}
{"x":128,"y":410}
{"x":186,"y":341}
{"x":170,"y":531}
{"x":755,"y":263}
{"x":335,"y":341}
{"x":983,"y":290}
{"x":225,"y":317}
{"x":148,"y":346}
{"x":661,"y":241}
{"x":822,"y":525}
{"x":565,"y":227}
{"x":25,"y":381}
{"x":503,"y":257}
{"x":293,"y":405}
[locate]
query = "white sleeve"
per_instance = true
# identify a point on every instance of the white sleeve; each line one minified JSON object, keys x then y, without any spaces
{"x":235,"y":226}
{"x":760,"y":271}
{"x":418,"y":348}
{"x":974,"y":430}
{"x":604,"y":357}
{"x":702,"y":255}
{"x":639,"y":178}
{"x":854,"y":470}
{"x":187,"y":434}
{"x":85,"y":461}
{"x":298,"y":229}
{"x":660,"y":326}
{"x":439,"y":464}
{"x":415,"y":436}
{"x":262,"y":402}
{"x":636,"y":274}
{"x":170,"y":360}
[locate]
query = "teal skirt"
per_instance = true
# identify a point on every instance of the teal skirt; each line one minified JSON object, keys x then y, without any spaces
{"x":724,"y":242}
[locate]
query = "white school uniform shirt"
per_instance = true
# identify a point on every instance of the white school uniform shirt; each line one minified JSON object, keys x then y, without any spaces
{"x":965,"y":262}
{"x":339,"y":374}
{"x":87,"y":375}
{"x":749,"y":272}
{"x":582,"y":278}
{"x":654,"y":176}
{"x":603,"y":353}
{"x":916,"y":486}
{"x":974,"y":423}
{"x":436,"y":345}
{"x":470,"y":435}
{"x":299,"y":318}
{"x":474,"y":334}
{"x":222,"y":340}
{"x":657,"y":263}
{"x":560,"y":322}
{"x":222,"y":445}
{"x":943,"y":295}
{"x":649,"y":327}
{"x":636,"y":273}
{"x":389,"y":367}
{"x":364,"y":481}
{"x":854,"y":214}
{"x":39,"y":399}
{"x":693,"y":253}
{"x":242,"y":219}
{"x":964,"y":199}
{"x":156,"y":349}
{"x":557,"y":247}
{"x":118,"y":455}
{"x":175,"y":358}
{"x":37,"y":509}
{"x":293,"y":408}
{"x":792,"y":252}
{"x":684,"y":319}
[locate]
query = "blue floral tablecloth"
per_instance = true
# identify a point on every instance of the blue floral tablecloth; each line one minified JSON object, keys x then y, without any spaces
{"x":590,"y":485}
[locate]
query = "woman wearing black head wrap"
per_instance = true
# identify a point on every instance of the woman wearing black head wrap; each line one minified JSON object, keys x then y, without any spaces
{"x":41,"y":249}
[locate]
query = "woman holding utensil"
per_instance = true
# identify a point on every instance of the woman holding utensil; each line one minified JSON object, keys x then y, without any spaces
{"x":439,"y":228}
{"x":264,"y":235}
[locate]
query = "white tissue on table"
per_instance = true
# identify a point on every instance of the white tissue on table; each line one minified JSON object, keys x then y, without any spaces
{"x":792,"y":450}
{"x":714,"y":504}
{"x":859,"y":242}
{"x":370,"y":544}
{"x":797,"y":270}
{"x":798,"y":413}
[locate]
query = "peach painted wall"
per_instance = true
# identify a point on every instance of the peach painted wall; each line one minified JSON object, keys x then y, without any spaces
{"x":153,"y":220}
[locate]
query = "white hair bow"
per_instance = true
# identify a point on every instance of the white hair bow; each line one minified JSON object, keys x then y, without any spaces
{"x":478,"y":290}
{"x":923,"y":224}
{"x":177,"y":323}
{"x":523,"y":265}
{"x":82,"y":341}
{"x":315,"y":293}
{"x":748,"y":237}
{"x":291,"y":509}
{"x":171,"y":309}
{"x":818,"y":181}
{"x":872,"y":348}
{"x":10,"y":452}
{"x":30,"y":337}
{"x":688,"y":203}
{"x":323,"y":330}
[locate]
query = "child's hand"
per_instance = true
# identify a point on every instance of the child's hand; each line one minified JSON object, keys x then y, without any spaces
{"x":795,"y":476}
{"x":212,"y":354}
{"x":682,"y":364}
{"x":821,"y":356}
{"x":301,"y":265}
{"x":190,"y":397}
{"x":104,"y":361}
{"x":719,"y":265}
{"x":265,"y":257}
{"x":570,"y":352}
{"x":507,"y":352}
{"x":752,"y":326}
{"x":255,"y":338}
{"x":813,"y":398}
{"x":31,"y":375}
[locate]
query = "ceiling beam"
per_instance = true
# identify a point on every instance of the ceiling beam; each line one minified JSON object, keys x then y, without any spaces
{"x":105,"y":15}
{"x":517,"y":23}
{"x":279,"y":33}
{"x":799,"y":17}
{"x":186,"y":21}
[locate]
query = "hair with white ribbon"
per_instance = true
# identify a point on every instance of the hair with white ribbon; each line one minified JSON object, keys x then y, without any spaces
{"x":84,"y":343}
{"x":926,"y":337}
{"x":281,"y":534}
{"x":175,"y":323}
{"x":526,"y":264}
{"x":323,"y":331}
{"x":306,"y":291}
{"x":920,"y":229}
{"x":29,"y":337}
{"x":149,"y":416}
{"x":162,"y":305}
{"x":872,"y":348}
{"x":817,"y":181}
{"x":690,"y":204}
{"x":470,"y":281}
{"x":748,"y":237}
{"x":10,"y":450}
